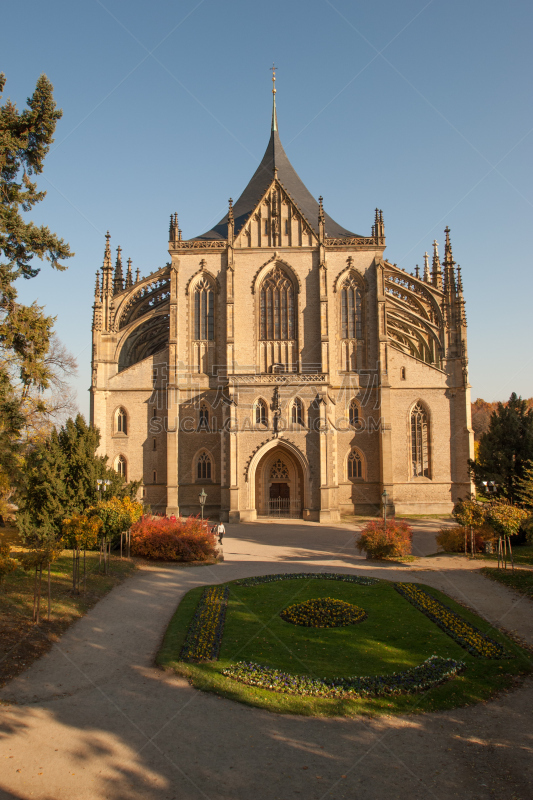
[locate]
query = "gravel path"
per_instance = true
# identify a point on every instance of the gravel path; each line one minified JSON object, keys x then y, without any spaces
{"x":94,"y":719}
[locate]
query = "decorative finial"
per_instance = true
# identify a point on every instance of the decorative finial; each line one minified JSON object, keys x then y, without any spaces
{"x":417,"y":271}
{"x":230,"y":209}
{"x":97,"y":287}
{"x":137,"y":275}
{"x":274,"y":114}
{"x":107,"y":254}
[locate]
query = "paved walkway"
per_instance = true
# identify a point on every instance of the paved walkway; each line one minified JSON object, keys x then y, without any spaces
{"x":94,"y":719}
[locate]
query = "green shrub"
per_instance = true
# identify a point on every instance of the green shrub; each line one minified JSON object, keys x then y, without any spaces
{"x":390,"y":541}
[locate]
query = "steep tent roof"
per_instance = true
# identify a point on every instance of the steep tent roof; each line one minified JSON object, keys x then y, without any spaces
{"x":275,"y":158}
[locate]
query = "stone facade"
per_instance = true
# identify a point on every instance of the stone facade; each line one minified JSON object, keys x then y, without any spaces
{"x":283,"y":365}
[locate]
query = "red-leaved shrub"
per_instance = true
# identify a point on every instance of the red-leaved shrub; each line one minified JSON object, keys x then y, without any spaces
{"x":163,"y":539}
{"x":392,"y":541}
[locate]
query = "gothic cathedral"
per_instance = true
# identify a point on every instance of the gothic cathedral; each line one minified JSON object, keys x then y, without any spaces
{"x":281,"y":365}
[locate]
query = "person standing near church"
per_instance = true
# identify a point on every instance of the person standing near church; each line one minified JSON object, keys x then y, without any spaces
{"x":220,"y":532}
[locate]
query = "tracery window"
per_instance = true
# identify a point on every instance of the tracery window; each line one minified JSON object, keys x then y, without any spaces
{"x":279,"y":471}
{"x":353,"y":414}
{"x":297,"y":416}
{"x":351,"y":306}
{"x":277,"y":307}
{"x":120,"y":466}
{"x":203,"y":467}
{"x":121,"y":421}
{"x":261,"y":416}
{"x":204,"y":311}
{"x":420,"y":442}
{"x":355,"y":465}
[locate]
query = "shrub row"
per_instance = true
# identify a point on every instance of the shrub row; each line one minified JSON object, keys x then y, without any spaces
{"x":465,"y":634}
{"x":204,"y":635}
{"x":431,"y":672}
{"x":289,"y":576}
{"x":324,"y":612}
{"x":164,"y":539}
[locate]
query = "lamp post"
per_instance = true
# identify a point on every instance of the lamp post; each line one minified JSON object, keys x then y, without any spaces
{"x":384,"y":498}
{"x":202,"y":497}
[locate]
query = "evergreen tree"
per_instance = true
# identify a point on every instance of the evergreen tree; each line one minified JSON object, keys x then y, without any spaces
{"x":25,"y":139}
{"x":506,"y":449}
{"x":61,"y":477}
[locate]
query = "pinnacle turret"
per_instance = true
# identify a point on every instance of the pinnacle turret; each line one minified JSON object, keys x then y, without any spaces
{"x":97,"y":286}
{"x":118,"y":283}
{"x":436,"y":272}
{"x":427,"y":277}
{"x":129,"y":276}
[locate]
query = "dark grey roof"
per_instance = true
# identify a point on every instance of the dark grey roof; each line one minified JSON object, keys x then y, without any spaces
{"x":275,"y":157}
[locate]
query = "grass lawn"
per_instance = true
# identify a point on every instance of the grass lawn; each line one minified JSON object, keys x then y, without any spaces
{"x":394,"y":637}
{"x":519,"y":579}
{"x":21,"y":642}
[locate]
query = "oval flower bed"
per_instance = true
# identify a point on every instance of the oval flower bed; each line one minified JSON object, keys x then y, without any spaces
{"x":204,"y":635}
{"x":431,"y":672}
{"x":324,"y":612}
{"x":463,"y":632}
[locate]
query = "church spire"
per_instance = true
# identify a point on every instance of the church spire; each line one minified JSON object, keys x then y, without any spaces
{"x":274,"y":113}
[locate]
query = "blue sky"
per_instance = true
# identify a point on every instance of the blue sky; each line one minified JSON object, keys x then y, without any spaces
{"x":421,"y":108}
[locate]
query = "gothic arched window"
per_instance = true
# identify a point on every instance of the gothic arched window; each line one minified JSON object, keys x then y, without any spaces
{"x":121,"y":418}
{"x":353,"y":414}
{"x":277,"y":307}
{"x":351,"y":316}
{"x":261,"y":416}
{"x":355,"y":465}
{"x":297,"y":416}
{"x":351,"y":309}
{"x":121,"y":466}
{"x":203,"y":467}
{"x":204,"y":312}
{"x":420,"y":442}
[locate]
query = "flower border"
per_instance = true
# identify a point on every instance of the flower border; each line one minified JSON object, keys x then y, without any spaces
{"x":433,"y":671}
{"x":464,"y":633}
{"x":289,"y":576}
{"x":204,"y":635}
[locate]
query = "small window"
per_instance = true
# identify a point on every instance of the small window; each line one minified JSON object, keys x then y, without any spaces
{"x":402,"y":373}
{"x":260,"y":413}
{"x":121,"y":466}
{"x":355,"y":467}
{"x":203,"y":467}
{"x":286,"y":227}
{"x":154,"y":376}
{"x":154,"y":412}
{"x":266,"y":226}
{"x":122,"y":421}
{"x":203,"y":421}
{"x":155,"y":444}
{"x":297,"y":412}
{"x":154,"y":477}
{"x":354,"y":414}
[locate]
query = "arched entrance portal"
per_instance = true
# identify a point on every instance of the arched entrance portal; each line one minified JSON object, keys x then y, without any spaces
{"x":279,"y":485}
